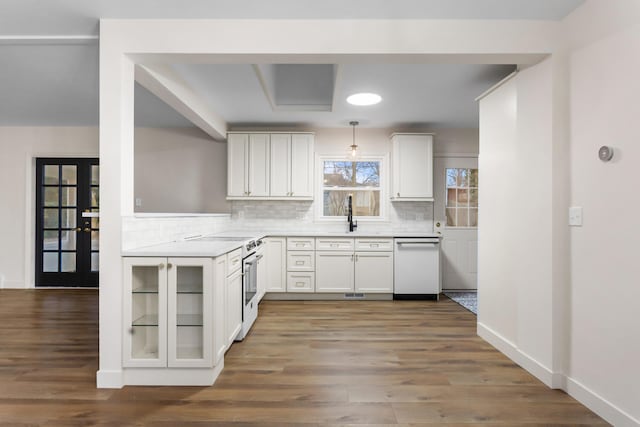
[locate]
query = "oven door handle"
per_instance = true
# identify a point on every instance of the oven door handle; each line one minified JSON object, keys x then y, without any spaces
{"x":259,"y":257}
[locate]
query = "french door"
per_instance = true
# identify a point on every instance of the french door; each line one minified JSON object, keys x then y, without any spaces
{"x":67,"y":222}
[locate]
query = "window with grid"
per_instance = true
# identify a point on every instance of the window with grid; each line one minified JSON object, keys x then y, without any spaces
{"x":360,"y":178}
{"x":462,"y":197}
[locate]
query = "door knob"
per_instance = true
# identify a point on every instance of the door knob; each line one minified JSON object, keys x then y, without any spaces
{"x":86,"y":230}
{"x":77,"y":229}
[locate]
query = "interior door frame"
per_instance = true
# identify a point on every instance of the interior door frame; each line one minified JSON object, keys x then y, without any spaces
{"x":439,"y":202}
{"x":30,"y":211}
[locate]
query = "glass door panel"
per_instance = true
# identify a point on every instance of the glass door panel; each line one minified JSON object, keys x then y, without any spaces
{"x":145,"y":288}
{"x":189,"y":312}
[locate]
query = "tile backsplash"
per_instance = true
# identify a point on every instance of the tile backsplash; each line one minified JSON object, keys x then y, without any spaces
{"x":145,"y":230}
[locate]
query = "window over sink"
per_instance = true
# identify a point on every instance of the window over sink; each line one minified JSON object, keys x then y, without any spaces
{"x":361,"y":178}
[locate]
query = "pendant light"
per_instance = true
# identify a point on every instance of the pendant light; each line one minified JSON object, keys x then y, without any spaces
{"x":353,"y":146}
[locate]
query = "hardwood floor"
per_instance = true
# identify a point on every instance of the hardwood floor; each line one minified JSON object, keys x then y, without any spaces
{"x":304,"y":363}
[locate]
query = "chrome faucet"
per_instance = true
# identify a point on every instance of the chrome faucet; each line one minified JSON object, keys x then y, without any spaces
{"x":352,"y":224}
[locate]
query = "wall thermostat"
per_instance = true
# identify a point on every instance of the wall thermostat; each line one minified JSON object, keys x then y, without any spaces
{"x":605,"y":153}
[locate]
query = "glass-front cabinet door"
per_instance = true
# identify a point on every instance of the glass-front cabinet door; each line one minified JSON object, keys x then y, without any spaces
{"x":145,"y":312}
{"x":190,"y":334}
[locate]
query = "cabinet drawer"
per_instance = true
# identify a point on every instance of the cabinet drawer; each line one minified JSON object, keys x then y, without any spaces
{"x":234,"y":261}
{"x":300,"y":243}
{"x":300,"y":261}
{"x":325,"y":244}
{"x":372,"y":244}
{"x":301,"y":282}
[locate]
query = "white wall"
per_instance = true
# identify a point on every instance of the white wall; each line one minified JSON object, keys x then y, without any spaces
{"x":605,"y":287}
{"x":559,"y":300}
{"x":19,"y":147}
{"x":180,"y":170}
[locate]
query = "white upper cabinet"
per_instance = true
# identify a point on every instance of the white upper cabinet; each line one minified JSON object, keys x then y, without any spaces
{"x":302,"y":165}
{"x":270,"y":166}
{"x":412,"y":157}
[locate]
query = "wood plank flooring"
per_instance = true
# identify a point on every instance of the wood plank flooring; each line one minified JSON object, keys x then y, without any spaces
{"x":304,"y":364}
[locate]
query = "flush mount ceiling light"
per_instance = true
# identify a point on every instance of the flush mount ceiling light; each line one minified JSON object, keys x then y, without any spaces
{"x":364,"y":99}
{"x":353,"y":146}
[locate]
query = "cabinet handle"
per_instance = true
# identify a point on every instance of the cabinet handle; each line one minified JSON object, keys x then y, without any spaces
{"x":398,"y":194}
{"x":351,"y":257}
{"x":356,"y":257}
{"x":300,"y":284}
{"x":299,"y":262}
{"x":291,"y":193}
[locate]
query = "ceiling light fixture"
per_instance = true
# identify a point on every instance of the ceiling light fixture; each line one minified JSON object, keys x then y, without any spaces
{"x":364,"y":99}
{"x":353,"y":146}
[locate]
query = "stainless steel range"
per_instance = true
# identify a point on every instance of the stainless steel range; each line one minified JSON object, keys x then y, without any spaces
{"x":250,"y":260}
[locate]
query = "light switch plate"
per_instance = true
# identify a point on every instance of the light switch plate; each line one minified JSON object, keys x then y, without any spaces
{"x":575,"y":216}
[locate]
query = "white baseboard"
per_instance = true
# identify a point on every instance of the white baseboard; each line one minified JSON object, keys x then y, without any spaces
{"x":534,"y":367}
{"x":605,"y":409}
{"x":601,"y":406}
{"x":172,"y":376}
{"x":109,"y":379}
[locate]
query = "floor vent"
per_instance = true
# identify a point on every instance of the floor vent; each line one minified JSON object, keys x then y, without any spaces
{"x":353,"y":296}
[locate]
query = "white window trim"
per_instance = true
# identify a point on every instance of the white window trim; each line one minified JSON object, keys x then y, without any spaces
{"x":384,"y":187}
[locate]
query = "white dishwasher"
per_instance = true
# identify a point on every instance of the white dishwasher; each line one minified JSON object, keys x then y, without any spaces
{"x":416,"y":268}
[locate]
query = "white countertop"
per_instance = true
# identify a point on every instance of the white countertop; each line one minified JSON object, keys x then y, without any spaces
{"x":195,"y":248}
{"x":185,"y":248}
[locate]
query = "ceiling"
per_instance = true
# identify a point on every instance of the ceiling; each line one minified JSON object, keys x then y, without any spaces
{"x":55,"y":82}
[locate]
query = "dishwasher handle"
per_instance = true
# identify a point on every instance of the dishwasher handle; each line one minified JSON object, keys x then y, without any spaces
{"x":428,"y":244}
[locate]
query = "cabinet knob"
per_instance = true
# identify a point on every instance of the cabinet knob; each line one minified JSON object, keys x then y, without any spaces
{"x":131,"y":331}
{"x":160,"y":266}
{"x":169,"y":265}
{"x":398,"y":194}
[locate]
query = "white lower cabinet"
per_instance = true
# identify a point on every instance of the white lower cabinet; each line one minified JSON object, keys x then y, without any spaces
{"x":374,"y":272}
{"x":346,"y":270}
{"x":334,"y":271}
{"x":233,"y":298}
{"x":168,"y":312}
{"x":300,"y":281}
{"x":262,"y":260}
{"x":276,"y":264}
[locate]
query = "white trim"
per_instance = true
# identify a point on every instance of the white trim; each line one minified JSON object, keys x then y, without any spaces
{"x":456,"y":155}
{"x":30,"y":217}
{"x":384,"y":185}
{"x":496,"y":86}
{"x":177,"y":215}
{"x":598,"y":404}
{"x":49,"y":40}
{"x":109,"y":379}
{"x":512,"y":351}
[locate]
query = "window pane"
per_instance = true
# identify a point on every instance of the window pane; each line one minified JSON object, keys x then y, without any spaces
{"x":95,"y":175}
{"x":68,"y":240}
{"x":365,"y":202}
{"x":473,"y":178}
{"x":463,"y":220}
{"x":463,"y":175}
{"x":50,"y":262}
{"x":463,"y":197}
{"x":95,"y":197}
{"x":50,"y":240}
{"x":95,"y":223}
{"x":94,"y":240}
{"x":452,"y":177}
{"x":451,"y":197}
{"x":51,"y":218}
{"x":51,"y":196}
{"x":51,"y":173}
{"x":69,"y":175}
{"x":68,"y":196}
{"x":473,"y":198}
{"x":68,"y":218}
{"x":68,"y":262}
{"x":473,"y":217}
{"x":351,"y":174}
{"x":95,"y":258}
{"x":451,"y":217}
